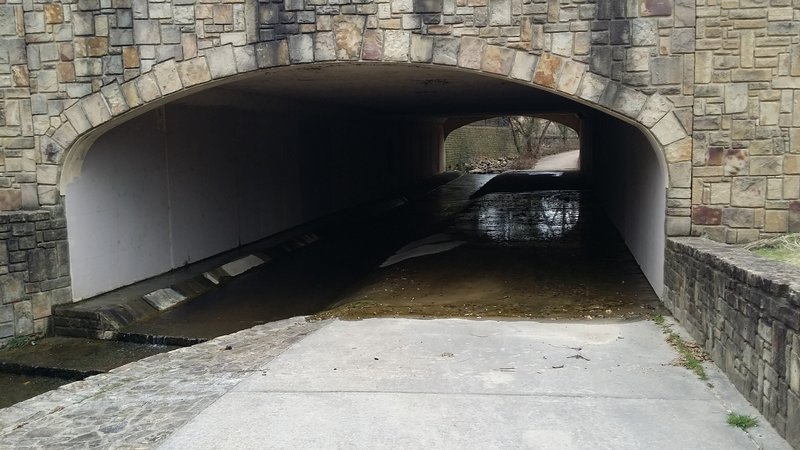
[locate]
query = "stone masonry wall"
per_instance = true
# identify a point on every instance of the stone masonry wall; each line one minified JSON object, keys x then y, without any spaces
{"x":744,"y":310}
{"x":34,"y":271}
{"x":70,"y":67}
{"x":746,"y":152}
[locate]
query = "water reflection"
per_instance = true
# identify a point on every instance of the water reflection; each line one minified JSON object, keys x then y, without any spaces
{"x":542,"y":217}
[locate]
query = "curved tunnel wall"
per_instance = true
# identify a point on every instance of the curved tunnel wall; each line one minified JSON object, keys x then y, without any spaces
{"x":630,"y":180}
{"x":182,"y":183}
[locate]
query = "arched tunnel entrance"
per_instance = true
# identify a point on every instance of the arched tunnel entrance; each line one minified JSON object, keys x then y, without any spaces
{"x":242,"y":161}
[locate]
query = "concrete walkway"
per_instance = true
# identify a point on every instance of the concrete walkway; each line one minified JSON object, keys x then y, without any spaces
{"x":565,"y":161}
{"x":398,"y":383}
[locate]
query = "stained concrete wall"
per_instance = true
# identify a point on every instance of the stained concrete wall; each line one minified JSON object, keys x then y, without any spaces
{"x":631,"y":183}
{"x":180,"y":184}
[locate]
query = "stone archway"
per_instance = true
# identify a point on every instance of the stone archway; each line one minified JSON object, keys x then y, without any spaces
{"x":167,"y":81}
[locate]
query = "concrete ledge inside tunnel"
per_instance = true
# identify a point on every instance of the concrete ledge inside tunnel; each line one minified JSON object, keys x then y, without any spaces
{"x":239,"y":162}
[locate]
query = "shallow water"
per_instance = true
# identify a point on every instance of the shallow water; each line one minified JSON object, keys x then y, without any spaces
{"x":544,"y":254}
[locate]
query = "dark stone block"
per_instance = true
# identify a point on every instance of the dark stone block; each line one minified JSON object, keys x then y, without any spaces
{"x":428,"y":6}
{"x":600,"y":61}
{"x":620,"y":32}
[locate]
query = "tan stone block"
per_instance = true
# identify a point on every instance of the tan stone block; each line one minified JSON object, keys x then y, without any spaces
{"x":746,"y":236}
{"x":96,"y":109}
{"x":189,"y":45}
{"x":497,"y":60}
{"x":794,"y":217}
{"x":583,"y":41}
{"x":656,"y":107}
{"x":40,"y":305}
{"x":703,"y":67}
{"x":769,"y":112}
{"x":148,"y":87}
{"x":720,"y":193}
{"x":470,"y":55}
{"x":222,"y":14}
{"x":114,"y":98}
{"x":776,"y":221}
{"x":523,"y":66}
{"x":90,"y":47}
{"x":791,"y":187}
{"x":421,"y":48}
{"x":66,"y":72}
{"x":738,"y":217}
{"x":547,"y":70}
{"x":668,"y":129}
{"x":396,"y":45}
{"x":53,"y":13}
{"x":324,"y":46}
{"x":637,"y":59}
{"x":766,"y":165}
{"x":680,"y":174}
{"x":245,"y":56}
{"x":131,"y":94}
{"x":166,"y":74}
{"x":348,"y":36}
{"x":194,"y":71}
{"x":736,"y":98}
{"x":774,"y":188}
{"x":678,"y":226}
{"x":222,"y":63}
{"x":791,"y":164}
{"x":571,"y":76}
{"x":130,"y":57}
{"x":272,"y":54}
{"x":48,"y":195}
{"x":20,"y":76}
{"x":390,"y":24}
{"x":561,"y":43}
{"x":592,"y":87}
{"x":77,"y":118}
{"x":748,"y":191}
{"x":10,"y":199}
{"x":372,"y":49}
{"x":679,"y":151}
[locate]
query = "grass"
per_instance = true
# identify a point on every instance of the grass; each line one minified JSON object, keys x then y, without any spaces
{"x":782,"y":248}
{"x":19,"y":341}
{"x":691,"y":356}
{"x":742,"y":421}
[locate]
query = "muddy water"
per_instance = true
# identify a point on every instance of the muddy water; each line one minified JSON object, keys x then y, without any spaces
{"x":16,"y":388}
{"x":544,"y":254}
{"x":31,"y":370}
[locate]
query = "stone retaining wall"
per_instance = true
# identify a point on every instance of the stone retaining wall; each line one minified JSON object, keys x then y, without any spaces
{"x":745,"y":311}
{"x":34,"y":271}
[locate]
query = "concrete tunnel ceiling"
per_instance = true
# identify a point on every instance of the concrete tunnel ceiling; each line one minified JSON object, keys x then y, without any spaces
{"x":400,"y":89}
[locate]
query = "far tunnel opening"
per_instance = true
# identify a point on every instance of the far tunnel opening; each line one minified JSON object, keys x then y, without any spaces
{"x":241,"y":162}
{"x":515,"y":142}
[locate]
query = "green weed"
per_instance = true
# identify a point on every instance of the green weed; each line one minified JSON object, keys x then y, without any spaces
{"x":742,"y":421}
